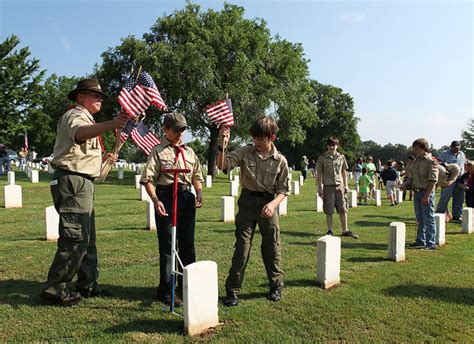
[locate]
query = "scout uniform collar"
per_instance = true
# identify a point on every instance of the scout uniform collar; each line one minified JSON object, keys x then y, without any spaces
{"x":273,"y":152}
{"x":167,"y":142}
{"x":327,"y":155}
{"x":83,"y":109}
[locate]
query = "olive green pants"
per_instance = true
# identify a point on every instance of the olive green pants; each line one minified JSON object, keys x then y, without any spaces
{"x":73,"y":198}
{"x":248,"y":216}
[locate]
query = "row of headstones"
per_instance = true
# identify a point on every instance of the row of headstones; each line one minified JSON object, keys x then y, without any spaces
{"x":137,"y":168}
{"x":329,"y":247}
{"x":12,"y":192}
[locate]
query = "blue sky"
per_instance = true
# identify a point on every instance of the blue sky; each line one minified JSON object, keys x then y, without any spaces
{"x":407,"y":64}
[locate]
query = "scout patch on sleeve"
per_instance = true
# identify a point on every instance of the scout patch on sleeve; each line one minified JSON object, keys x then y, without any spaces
{"x":54,"y":182}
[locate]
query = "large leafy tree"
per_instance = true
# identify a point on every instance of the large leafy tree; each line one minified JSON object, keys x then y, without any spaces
{"x":468,"y":139}
{"x":20,"y":78}
{"x":196,"y":58}
{"x":334,"y":116}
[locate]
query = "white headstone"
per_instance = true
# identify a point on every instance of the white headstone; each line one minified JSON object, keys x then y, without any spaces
{"x":150,"y":215}
{"x":467,"y":221}
{"x":378,"y":198}
{"x":137,"y":181}
{"x":138,"y":168}
{"x":295,"y":190}
{"x":52,"y":224}
{"x":28,"y":172}
{"x":352,"y":199}
{"x":399,"y":195}
{"x":11,"y":178}
{"x":301,"y":180}
{"x":12,"y":196}
{"x":396,"y":241}
{"x":237,"y":179}
{"x":440,"y":222}
{"x":35,"y":176}
{"x":227,"y":208}
{"x":120,"y":173}
{"x":231,"y":175}
{"x":290,"y":177}
{"x":200,"y":297}
{"x":283,"y":207}
{"x":319,"y":204}
{"x":329,"y":261}
{"x":351,"y":176}
{"x":234,"y":188}
{"x":208,"y":181}
{"x":143,"y":194}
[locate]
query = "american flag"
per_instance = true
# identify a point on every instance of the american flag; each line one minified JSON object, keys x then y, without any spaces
{"x":127,"y":130}
{"x":138,"y":93}
{"x":221,"y":113}
{"x":25,"y":143}
{"x":144,"y":138}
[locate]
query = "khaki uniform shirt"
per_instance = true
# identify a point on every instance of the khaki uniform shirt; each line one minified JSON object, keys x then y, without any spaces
{"x":81,"y":157}
{"x":424,"y":170}
{"x":330,"y":168}
{"x":164,"y":156}
{"x":259,"y":174}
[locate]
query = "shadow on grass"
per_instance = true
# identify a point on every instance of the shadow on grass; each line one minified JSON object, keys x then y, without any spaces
{"x":367,"y":259}
{"x":301,"y":283}
{"x":173,"y":326}
{"x":364,"y":245}
{"x":463,"y":296}
{"x":299,"y":234}
{"x":372,"y":223}
{"x":454,"y":233}
{"x":299,"y":243}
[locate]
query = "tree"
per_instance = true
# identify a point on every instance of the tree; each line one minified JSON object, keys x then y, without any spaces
{"x":197,"y":57}
{"x":468,"y":139}
{"x":334,"y":116}
{"x":20,"y":77}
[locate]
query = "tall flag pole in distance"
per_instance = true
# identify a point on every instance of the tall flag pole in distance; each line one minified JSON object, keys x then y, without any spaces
{"x":25,"y":142}
{"x":221,"y":113}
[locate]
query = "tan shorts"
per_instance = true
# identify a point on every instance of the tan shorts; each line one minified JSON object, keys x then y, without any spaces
{"x":334,"y":197}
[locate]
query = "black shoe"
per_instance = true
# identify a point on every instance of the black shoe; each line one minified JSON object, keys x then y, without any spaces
{"x":456,"y":219}
{"x":430,"y":248}
{"x":97,"y":292}
{"x":329,"y":232}
{"x":416,"y":245}
{"x":231,"y":300}
{"x":274,"y":295}
{"x":350,"y":234}
{"x":166,"y":299}
{"x":67,"y":301}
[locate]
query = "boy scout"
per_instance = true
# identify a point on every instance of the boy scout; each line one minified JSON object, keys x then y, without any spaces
{"x":264,"y":178}
{"x":422,"y":178}
{"x":172,"y":153}
{"x":332,"y":185}
{"x":77,"y":161}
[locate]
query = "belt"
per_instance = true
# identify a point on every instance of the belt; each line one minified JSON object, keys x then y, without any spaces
{"x":76,"y":174}
{"x":418,"y":190}
{"x":181,"y":187}
{"x":257,"y":193}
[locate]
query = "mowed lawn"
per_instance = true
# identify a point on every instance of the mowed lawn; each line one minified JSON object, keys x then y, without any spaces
{"x":428,"y":298}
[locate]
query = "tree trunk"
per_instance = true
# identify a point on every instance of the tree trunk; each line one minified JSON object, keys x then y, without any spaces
{"x":211,"y":159}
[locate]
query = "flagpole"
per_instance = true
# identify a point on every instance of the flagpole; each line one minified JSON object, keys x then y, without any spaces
{"x":224,"y":144}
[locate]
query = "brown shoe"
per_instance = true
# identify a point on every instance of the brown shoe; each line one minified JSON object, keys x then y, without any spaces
{"x":166,"y":299}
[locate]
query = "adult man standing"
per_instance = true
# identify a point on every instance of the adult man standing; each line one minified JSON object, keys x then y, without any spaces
{"x":77,"y":161}
{"x":453,"y":155}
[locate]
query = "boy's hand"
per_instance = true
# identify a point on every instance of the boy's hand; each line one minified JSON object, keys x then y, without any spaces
{"x":198,"y":199}
{"x":321,"y":193}
{"x":268,"y":210}
{"x":224,"y":135}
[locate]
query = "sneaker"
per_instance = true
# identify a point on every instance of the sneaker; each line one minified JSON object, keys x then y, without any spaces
{"x":416,"y":245}
{"x":430,"y":248}
{"x":274,"y":295}
{"x":231,"y":299}
{"x":329,"y":232}
{"x":98,"y":292}
{"x":350,"y":234}
{"x":67,"y":301}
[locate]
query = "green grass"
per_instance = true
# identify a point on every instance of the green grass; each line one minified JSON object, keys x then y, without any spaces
{"x":428,"y":298}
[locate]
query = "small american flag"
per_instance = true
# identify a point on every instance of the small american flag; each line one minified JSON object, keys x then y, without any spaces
{"x":25,"y":143}
{"x":144,"y":138}
{"x":127,"y":130}
{"x":138,"y":93}
{"x":221,"y":113}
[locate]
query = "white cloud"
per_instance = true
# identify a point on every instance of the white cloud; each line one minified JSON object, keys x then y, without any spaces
{"x":63,"y":39}
{"x":355,"y":17}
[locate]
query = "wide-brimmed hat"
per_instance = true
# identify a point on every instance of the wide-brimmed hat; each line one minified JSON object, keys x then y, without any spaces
{"x":175,"y":121}
{"x":86,"y":85}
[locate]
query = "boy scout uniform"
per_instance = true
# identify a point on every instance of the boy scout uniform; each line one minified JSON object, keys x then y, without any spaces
{"x":76,"y":166}
{"x":330,"y":168}
{"x":424,"y":170}
{"x":261,"y":179}
{"x":163,"y":156}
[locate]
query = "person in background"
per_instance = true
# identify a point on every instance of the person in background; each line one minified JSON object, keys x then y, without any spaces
{"x":4,"y":159}
{"x":363,"y":185}
{"x":312,"y":167}
{"x":407,"y":189}
{"x":389,"y":176}
{"x":304,"y":166}
{"x":466,"y":183}
{"x":22,"y":154}
{"x":450,"y":156}
{"x":357,"y":170}
{"x":332,"y":186}
{"x":423,"y":179}
{"x":371,"y":169}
